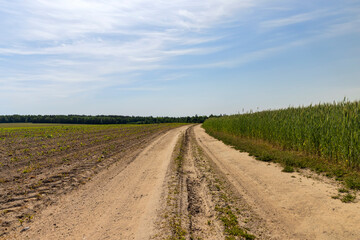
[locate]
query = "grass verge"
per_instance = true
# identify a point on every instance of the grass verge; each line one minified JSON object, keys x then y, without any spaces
{"x":291,"y":160}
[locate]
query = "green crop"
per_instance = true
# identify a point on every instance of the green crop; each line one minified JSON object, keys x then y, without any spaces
{"x":330,"y":131}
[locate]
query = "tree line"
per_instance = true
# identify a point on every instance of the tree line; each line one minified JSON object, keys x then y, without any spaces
{"x":99,"y":119}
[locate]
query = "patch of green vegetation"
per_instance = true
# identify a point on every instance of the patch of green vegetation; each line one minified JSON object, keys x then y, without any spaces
{"x":352,"y":181}
{"x":231,"y":224}
{"x":265,"y":157}
{"x":343,"y":190}
{"x":28,"y":169}
{"x":288,"y":169}
{"x":178,"y":233}
{"x":25,"y":217}
{"x":336,"y":196}
{"x":348,"y":198}
{"x":290,"y":160}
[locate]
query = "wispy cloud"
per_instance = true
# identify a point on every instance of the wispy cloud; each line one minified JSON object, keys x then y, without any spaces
{"x":331,"y":30}
{"x":95,"y":41}
{"x":294,"y":19}
{"x":141,"y":89}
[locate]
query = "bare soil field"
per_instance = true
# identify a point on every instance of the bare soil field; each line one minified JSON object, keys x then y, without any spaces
{"x":183,"y":184}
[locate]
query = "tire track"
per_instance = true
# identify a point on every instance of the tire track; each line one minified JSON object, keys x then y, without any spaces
{"x":198,"y":205}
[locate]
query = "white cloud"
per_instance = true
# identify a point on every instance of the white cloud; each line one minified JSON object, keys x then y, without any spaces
{"x":294,"y":19}
{"x":69,"y":19}
{"x":141,"y":89}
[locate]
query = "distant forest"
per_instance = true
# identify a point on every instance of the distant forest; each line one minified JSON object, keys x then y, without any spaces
{"x":99,"y":119}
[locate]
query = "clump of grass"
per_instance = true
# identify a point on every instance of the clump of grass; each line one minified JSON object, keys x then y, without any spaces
{"x":353,"y":181}
{"x":348,"y":198}
{"x":288,"y":169}
{"x":28,"y":169}
{"x":343,"y":190}
{"x":265,"y":157}
{"x":336,"y":196}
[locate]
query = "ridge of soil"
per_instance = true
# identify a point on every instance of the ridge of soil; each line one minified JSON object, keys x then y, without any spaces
{"x":197,"y":203}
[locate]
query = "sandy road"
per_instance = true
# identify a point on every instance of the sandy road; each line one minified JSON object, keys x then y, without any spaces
{"x":119,"y":203}
{"x":126,"y":200}
{"x":292,"y":206}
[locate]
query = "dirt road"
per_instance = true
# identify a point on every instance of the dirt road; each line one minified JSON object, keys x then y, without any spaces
{"x":186,"y":184}
{"x":292,"y":206}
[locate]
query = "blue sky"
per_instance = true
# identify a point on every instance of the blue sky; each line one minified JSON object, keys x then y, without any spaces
{"x":176,"y":58}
